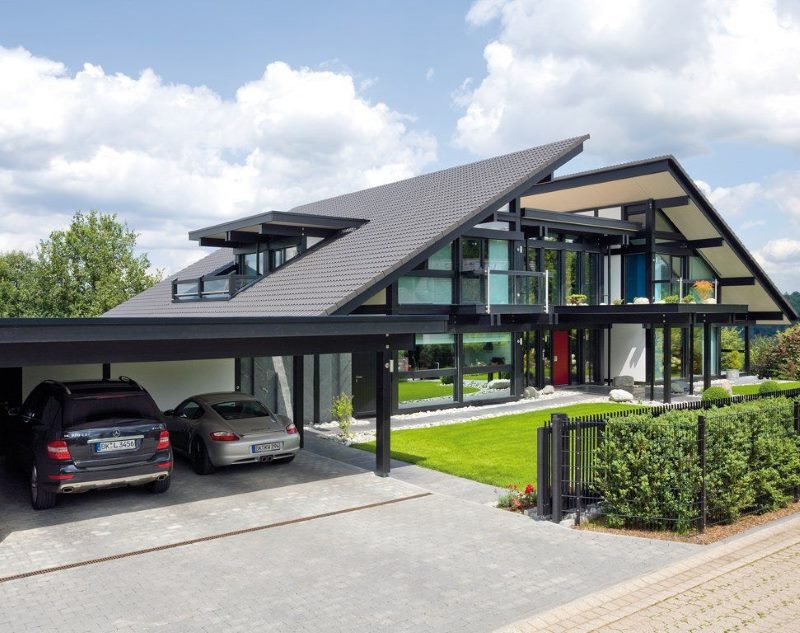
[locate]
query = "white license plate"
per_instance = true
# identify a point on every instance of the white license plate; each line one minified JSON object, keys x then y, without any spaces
{"x":117,"y":445}
{"x":265,"y":448}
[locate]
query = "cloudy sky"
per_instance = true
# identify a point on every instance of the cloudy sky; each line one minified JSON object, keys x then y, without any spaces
{"x":177,"y":115}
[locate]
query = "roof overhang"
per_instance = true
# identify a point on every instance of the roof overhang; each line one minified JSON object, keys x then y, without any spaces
{"x":26,"y":342}
{"x":261,"y":227}
{"x":663,"y":180}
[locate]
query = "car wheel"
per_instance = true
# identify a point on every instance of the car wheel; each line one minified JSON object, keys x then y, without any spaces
{"x":41,"y":499}
{"x":159,"y":486}
{"x":201,"y":463}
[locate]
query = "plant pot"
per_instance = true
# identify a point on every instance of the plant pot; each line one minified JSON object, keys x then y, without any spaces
{"x":731,"y":374}
{"x":710,"y":300}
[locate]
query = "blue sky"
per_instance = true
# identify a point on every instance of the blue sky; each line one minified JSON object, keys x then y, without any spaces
{"x":195,"y":112}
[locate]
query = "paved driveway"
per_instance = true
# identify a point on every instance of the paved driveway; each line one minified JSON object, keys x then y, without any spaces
{"x":316,"y":545}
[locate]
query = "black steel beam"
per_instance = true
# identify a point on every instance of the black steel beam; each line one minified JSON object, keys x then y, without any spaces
{"x":667,"y":365}
{"x":298,"y":395}
{"x":747,"y":349}
{"x":709,"y":242}
{"x":383,"y":413}
{"x":737,"y":281}
{"x":706,"y":356}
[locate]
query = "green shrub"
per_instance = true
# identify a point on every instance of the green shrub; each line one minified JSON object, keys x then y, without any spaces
{"x":715,"y":393}
{"x":688,"y":299}
{"x":779,"y":356}
{"x":342,"y":412}
{"x":768,"y":386}
{"x":732,"y":360}
{"x":672,"y":299}
{"x":446,"y":380}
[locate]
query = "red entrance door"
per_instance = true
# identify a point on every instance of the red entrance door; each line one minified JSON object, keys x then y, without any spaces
{"x":560,"y":357}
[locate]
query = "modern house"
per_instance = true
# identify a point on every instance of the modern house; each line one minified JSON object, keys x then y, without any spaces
{"x":567,"y":280}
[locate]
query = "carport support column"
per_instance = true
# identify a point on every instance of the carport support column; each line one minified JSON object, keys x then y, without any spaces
{"x":106,"y":371}
{"x":747,"y":368}
{"x":706,"y":355}
{"x":383,"y":412}
{"x":667,"y":364}
{"x":298,"y":395}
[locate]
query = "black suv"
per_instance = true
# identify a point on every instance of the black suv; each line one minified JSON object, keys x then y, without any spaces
{"x":76,"y":436}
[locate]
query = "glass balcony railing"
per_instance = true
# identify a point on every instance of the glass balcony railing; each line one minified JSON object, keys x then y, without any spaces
{"x":516,"y":288}
{"x":216,"y":287}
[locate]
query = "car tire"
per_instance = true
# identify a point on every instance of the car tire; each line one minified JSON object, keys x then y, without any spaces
{"x":41,"y":499}
{"x":159,"y":486}
{"x":201,"y":462}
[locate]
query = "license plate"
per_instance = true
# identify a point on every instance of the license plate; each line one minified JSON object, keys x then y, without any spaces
{"x":265,"y":448}
{"x":117,"y":445}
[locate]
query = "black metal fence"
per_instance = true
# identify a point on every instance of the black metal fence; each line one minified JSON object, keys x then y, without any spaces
{"x":670,"y":464}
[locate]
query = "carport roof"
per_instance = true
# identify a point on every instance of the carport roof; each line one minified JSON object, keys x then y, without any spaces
{"x":26,"y":342}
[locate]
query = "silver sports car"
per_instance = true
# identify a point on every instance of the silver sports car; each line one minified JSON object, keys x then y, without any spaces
{"x":221,"y":429}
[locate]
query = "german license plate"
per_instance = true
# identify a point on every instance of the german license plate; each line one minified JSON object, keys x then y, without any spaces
{"x":116,"y":445}
{"x":266,"y":448}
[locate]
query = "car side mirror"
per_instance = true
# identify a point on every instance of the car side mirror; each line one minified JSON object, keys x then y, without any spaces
{"x":169,"y":412}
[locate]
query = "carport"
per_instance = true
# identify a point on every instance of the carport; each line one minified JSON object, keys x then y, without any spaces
{"x":108,"y":340}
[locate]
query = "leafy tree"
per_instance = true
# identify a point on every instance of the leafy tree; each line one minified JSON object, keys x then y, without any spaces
{"x":16,"y":284}
{"x":82,"y":271}
{"x":780,"y":358}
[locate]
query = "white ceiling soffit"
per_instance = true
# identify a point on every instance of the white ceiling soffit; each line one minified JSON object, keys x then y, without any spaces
{"x":607,"y":194}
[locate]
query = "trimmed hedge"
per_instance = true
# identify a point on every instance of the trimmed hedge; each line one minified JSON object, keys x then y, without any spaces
{"x":715,"y":393}
{"x":648,"y":469}
{"x":768,"y":386}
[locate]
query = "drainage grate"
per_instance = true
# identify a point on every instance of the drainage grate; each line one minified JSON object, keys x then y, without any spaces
{"x":204,"y":539}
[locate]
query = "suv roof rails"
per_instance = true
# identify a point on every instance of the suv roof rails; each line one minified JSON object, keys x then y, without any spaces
{"x":131,"y":382}
{"x":61,"y":385}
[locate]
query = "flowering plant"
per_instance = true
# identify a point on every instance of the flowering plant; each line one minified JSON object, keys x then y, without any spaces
{"x":516,"y":500}
{"x":704,"y":289}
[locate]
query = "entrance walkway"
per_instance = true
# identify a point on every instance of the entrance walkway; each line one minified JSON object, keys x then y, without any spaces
{"x":746,"y":583}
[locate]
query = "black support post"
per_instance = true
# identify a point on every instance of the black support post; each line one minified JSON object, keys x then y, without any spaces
{"x":650,"y":359}
{"x":691,"y":359}
{"x":106,"y":371}
{"x":667,"y":364}
{"x":701,"y":452}
{"x":298,"y":394}
{"x":317,"y":413}
{"x":747,"y":369}
{"x":706,"y":355}
{"x":383,"y":414}
{"x":557,"y":422}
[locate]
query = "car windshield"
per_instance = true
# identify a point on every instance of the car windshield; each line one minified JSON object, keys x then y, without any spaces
{"x":240,"y":409}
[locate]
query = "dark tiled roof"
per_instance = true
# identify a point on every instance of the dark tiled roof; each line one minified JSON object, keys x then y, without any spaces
{"x":405,"y":219}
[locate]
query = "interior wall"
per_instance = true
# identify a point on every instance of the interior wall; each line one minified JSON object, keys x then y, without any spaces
{"x":167,"y":382}
{"x":628,"y":351}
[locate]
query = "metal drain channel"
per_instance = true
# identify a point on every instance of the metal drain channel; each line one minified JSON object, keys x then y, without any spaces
{"x":205,"y":539}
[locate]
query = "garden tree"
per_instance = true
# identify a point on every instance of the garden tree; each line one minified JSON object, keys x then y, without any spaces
{"x":16,"y":284}
{"x":89,"y":268}
{"x":780,"y":357}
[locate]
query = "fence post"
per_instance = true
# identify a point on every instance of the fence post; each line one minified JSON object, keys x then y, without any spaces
{"x":557,"y":422}
{"x":701,"y":451}
{"x":542,"y":468}
{"x":578,"y":474}
{"x":797,"y":432}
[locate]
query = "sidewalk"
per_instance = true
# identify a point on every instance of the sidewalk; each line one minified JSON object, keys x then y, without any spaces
{"x":749,"y":582}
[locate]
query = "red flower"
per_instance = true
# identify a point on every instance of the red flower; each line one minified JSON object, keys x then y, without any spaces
{"x":528,"y":489}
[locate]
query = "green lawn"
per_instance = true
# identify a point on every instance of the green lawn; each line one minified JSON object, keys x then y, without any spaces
{"x":746,"y":390}
{"x":424,"y":389}
{"x":497,"y":451}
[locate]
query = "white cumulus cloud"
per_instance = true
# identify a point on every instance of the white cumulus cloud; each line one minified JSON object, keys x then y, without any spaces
{"x":171,"y":157}
{"x":642,"y":77}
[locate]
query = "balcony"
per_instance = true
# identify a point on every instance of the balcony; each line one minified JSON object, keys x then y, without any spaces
{"x":505,"y":292}
{"x":217,"y":287}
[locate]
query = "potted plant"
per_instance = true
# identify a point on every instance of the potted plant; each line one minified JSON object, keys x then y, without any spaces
{"x":732,"y":364}
{"x":688,"y":299}
{"x":617,"y":302}
{"x":672,"y":299}
{"x":704,"y":290}
{"x":576,"y":300}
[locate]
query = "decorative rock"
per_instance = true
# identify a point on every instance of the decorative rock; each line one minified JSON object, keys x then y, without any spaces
{"x":641,"y":300}
{"x":500,"y":383}
{"x":622,"y":382}
{"x":548,"y":390}
{"x":530,"y":392}
{"x":680,"y":387}
{"x":725,"y":384}
{"x":620,"y":395}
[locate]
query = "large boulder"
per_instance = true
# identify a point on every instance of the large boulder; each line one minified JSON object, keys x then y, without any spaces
{"x":622,"y":382}
{"x":620,"y":395}
{"x":530,"y":392}
{"x":500,"y":383}
{"x":548,"y":390}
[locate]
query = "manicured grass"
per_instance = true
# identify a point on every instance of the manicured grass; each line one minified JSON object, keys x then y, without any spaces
{"x":746,"y":390}
{"x":424,"y":389}
{"x":497,"y":451}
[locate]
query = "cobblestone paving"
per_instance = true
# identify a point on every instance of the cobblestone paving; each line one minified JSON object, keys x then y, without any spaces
{"x":436,"y":563}
{"x":748,"y":583}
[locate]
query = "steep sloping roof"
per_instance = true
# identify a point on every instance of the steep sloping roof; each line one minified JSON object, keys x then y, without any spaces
{"x":405,"y":220}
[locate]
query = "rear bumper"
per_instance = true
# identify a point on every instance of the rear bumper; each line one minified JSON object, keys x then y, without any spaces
{"x":70,"y":487}
{"x":231,"y":453}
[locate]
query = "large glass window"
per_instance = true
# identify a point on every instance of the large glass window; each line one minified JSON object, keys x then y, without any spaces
{"x":249,"y":264}
{"x":571,"y":280}
{"x":591,"y":275}
{"x":440,"y":260}
{"x":487,"y":349}
{"x":667,"y":272}
{"x":433,"y":351}
{"x":499,"y":259}
{"x":551,"y":266}
{"x":431,"y":290}
{"x":635,"y":276}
